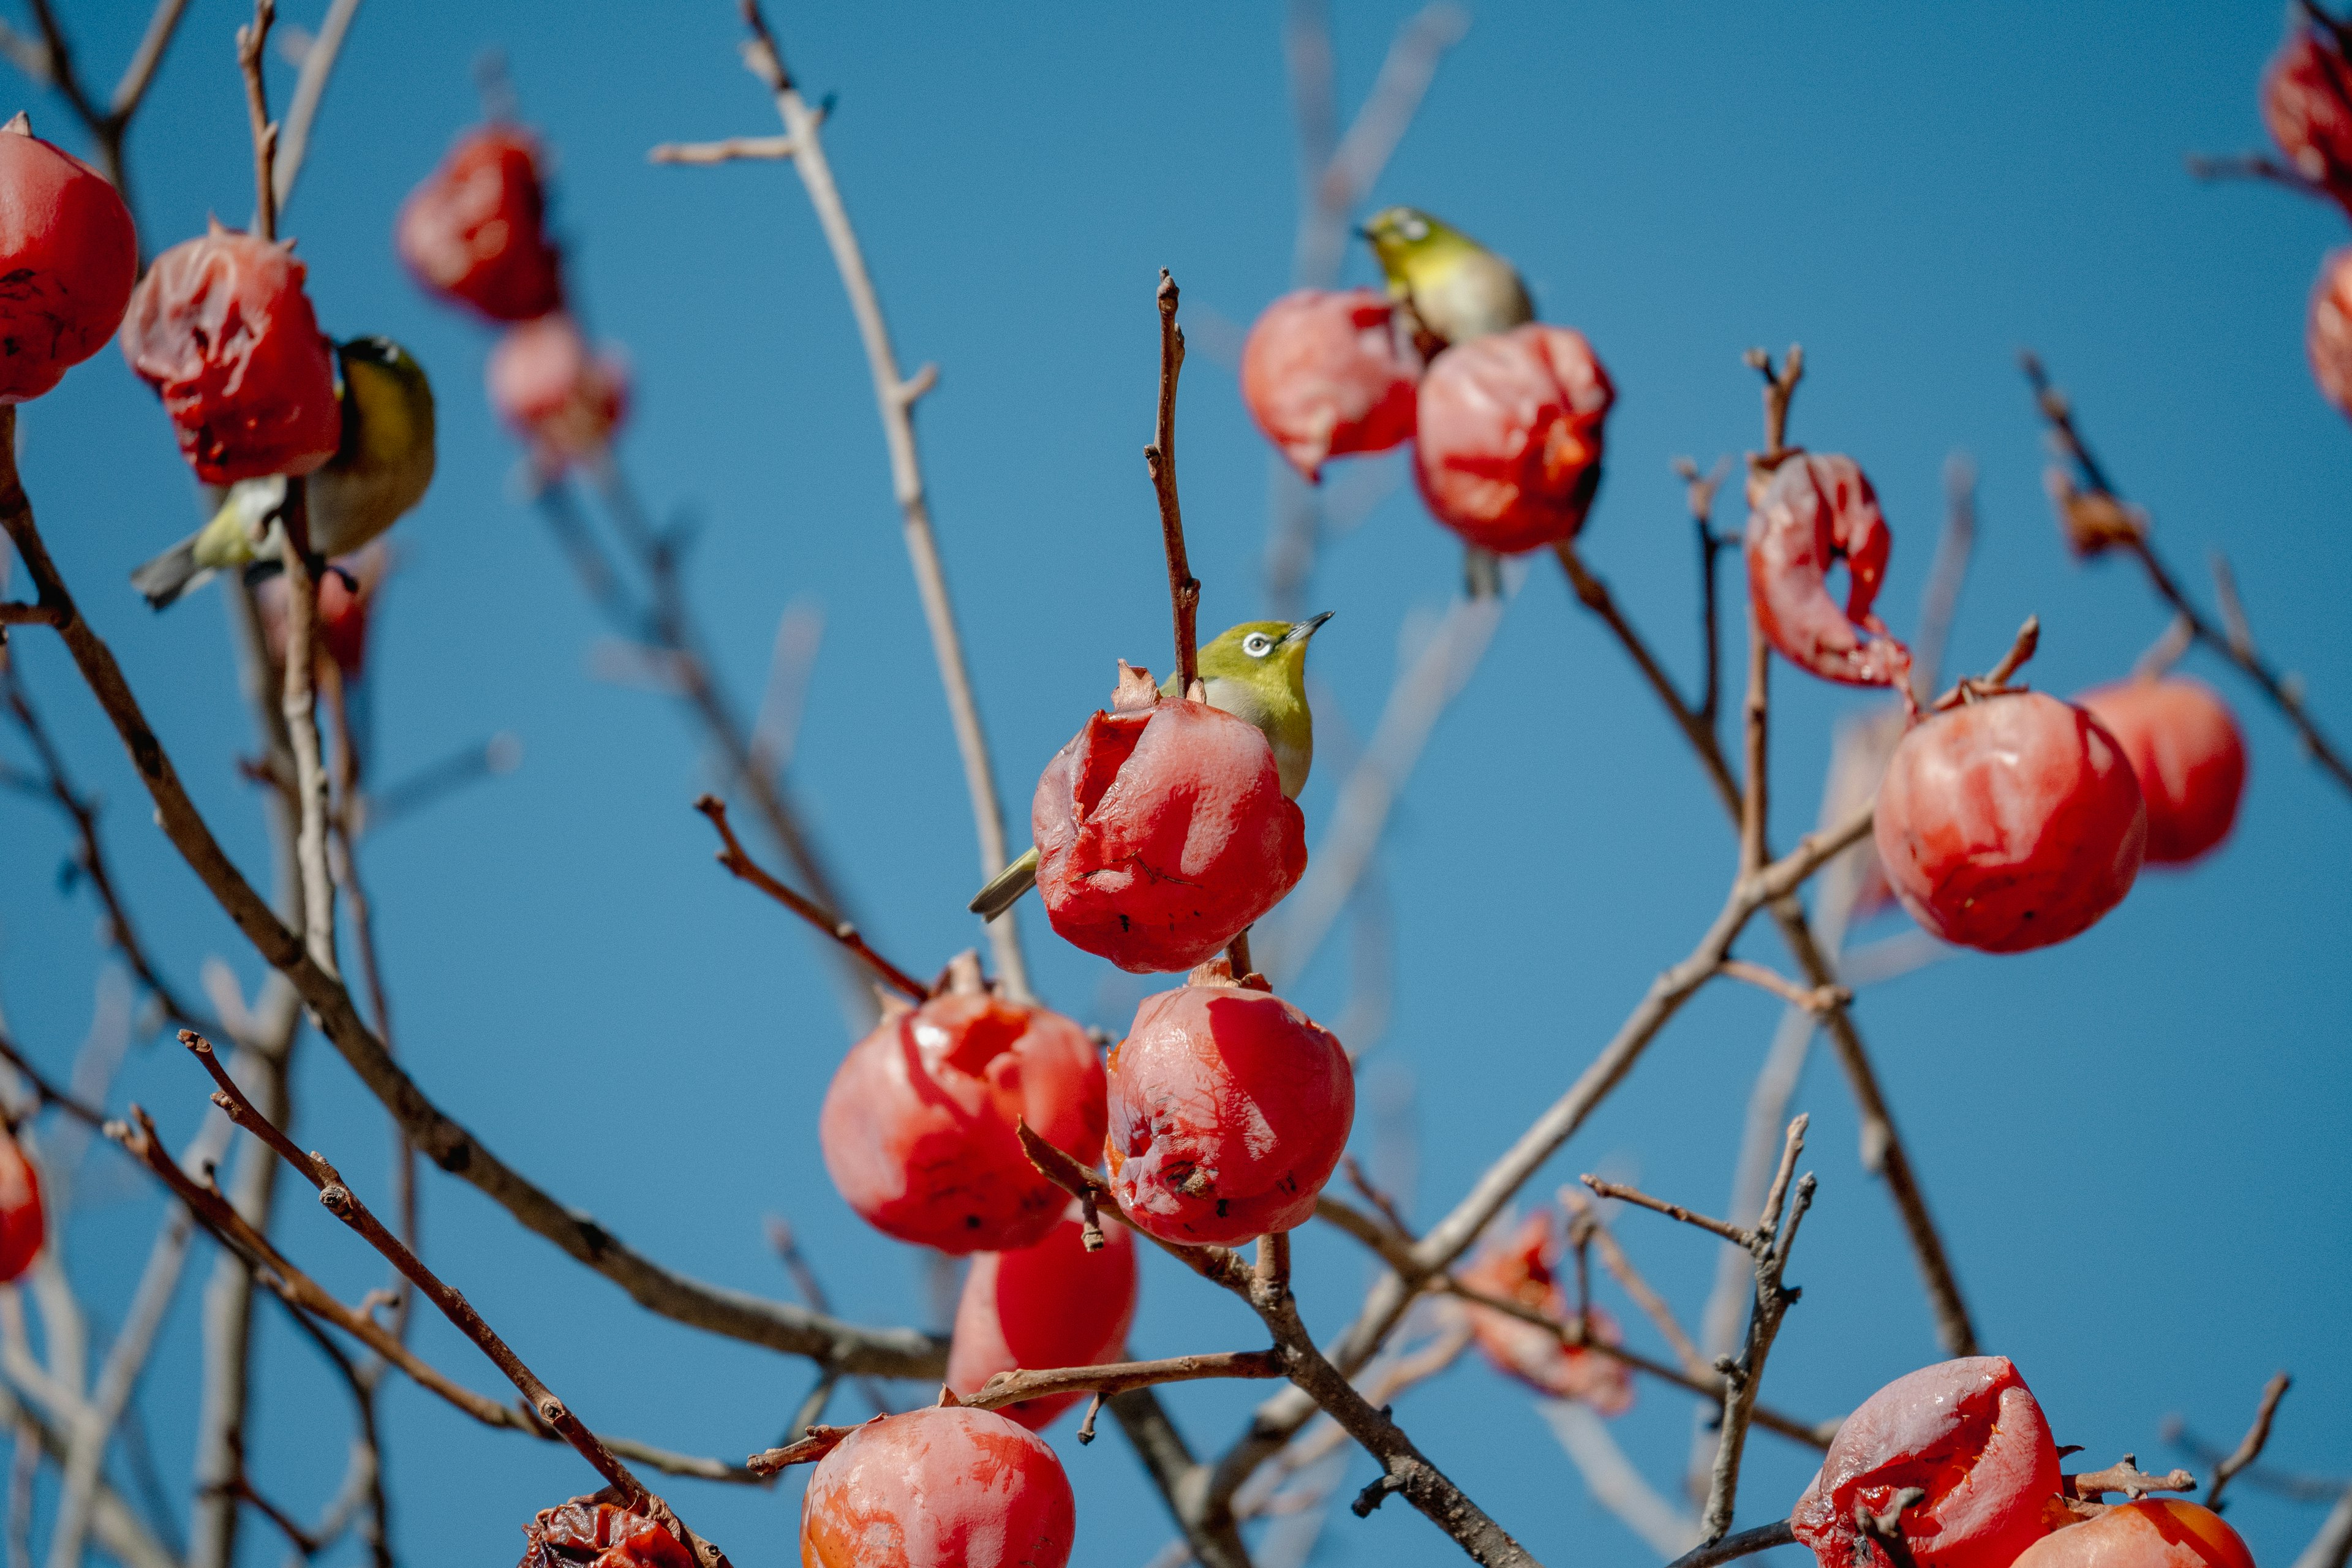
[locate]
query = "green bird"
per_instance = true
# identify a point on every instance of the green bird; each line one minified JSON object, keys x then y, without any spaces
{"x":379,"y":471}
{"x":1258,"y":671}
{"x":1458,"y":287}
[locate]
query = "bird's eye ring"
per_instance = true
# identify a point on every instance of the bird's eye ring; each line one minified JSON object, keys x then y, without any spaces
{"x":1414,"y":228}
{"x":1257,"y":645}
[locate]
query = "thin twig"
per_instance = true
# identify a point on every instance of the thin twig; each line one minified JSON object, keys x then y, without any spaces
{"x":841,"y":931}
{"x":1815,"y":999}
{"x":1730,"y":1233}
{"x":1183,"y":589}
{"x":1630,"y":1279}
{"x":1747,"y":1543}
{"x":727,"y":150}
{"x":1771,"y":1245}
{"x":2250,"y":1447}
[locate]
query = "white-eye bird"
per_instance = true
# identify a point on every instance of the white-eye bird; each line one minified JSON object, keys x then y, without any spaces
{"x":379,"y":471}
{"x":1255,"y":671}
{"x":1458,"y":287}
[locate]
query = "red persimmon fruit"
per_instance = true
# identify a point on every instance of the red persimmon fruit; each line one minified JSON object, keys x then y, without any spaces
{"x":2184,"y":748}
{"x":22,"y":1226}
{"x":1049,"y":1304}
{"x":1326,"y":373}
{"x":2154,"y":1532}
{"x":1508,"y":437}
{"x":2327,"y":341}
{"x":1229,"y":1108}
{"x":2307,"y":105}
{"x":1520,"y":1263}
{"x":68,"y":257}
{"x":1967,"y":1431}
{"x":554,"y":392}
{"x":346,"y":599}
{"x":2010,"y":822}
{"x":918,"y":1127}
{"x":475,"y":230}
{"x":587,"y":1533}
{"x":1813,"y":512}
{"x":944,"y":1487}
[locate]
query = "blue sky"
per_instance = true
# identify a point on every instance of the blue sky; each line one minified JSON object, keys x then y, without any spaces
{"x":2134,"y":1143}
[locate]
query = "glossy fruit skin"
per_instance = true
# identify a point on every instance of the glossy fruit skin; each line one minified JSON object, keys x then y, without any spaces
{"x":475,"y":230}
{"x":1520,"y":1262}
{"x":917,"y":1128}
{"x":555,"y":393}
{"x":1970,"y":1432}
{"x":221,"y":329}
{"x":2010,"y":823}
{"x":1508,"y":440}
{"x":944,"y":1487}
{"x":2184,"y":748}
{"x":1049,"y":1304}
{"x":1162,"y":831}
{"x":586,"y":1533}
{"x":68,"y":257}
{"x":2307,"y":106}
{"x":1326,"y":373}
{"x":22,"y":1224}
{"x":2327,"y":341}
{"x":2155,"y":1532}
{"x":1816,"y":510}
{"x":1229,"y":1108}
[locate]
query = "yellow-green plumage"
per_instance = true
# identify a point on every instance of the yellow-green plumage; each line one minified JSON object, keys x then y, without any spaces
{"x":380,"y":470}
{"x":1458,"y":287}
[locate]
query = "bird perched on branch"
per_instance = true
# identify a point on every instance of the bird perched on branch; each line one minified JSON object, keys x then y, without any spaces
{"x":379,"y":471}
{"x":1255,"y":671}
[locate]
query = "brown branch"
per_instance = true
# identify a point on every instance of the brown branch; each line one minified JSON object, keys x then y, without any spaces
{"x":723,"y":152}
{"x":1885,"y":1527}
{"x":1754,"y":792}
{"x":1729,"y":1548}
{"x":1817,"y":999}
{"x":1183,"y":589}
{"x":252,"y":44}
{"x":13,"y":614}
{"x":841,"y":931}
{"x":1629,"y":1280}
{"x":2250,"y":1447}
{"x":2333,"y":1544}
{"x":1730,"y":1233}
{"x":48,"y":1093}
{"x":2251,"y":166}
{"x":1771,"y":1245}
{"x":2125,"y":1477}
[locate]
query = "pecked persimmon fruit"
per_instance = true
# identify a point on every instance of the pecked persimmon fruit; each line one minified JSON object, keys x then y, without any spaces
{"x":1970,"y":1433}
{"x":588,"y":1534}
{"x":1522,"y":1264}
{"x":476,"y":229}
{"x":2010,"y":822}
{"x":2307,"y":106}
{"x":918,"y":1127}
{"x":1815,"y":511}
{"x":1509,"y":437}
{"x":1229,"y":1108}
{"x":221,"y":329}
{"x":2328,"y":339}
{"x":1049,"y":1304}
{"x":21,"y":1222}
{"x":944,"y":1487}
{"x":1326,"y":373}
{"x":1162,"y":831}
{"x":68,"y":257}
{"x":2154,"y":1532}
{"x":556,"y":392}
{"x":2184,"y":748}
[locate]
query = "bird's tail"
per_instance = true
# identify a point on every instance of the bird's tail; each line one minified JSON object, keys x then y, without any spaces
{"x":171,"y":574}
{"x":1004,"y":888}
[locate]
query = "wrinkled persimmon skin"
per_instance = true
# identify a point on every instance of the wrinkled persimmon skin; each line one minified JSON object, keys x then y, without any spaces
{"x":22,"y":1226}
{"x":1969,"y":1432}
{"x":2184,"y":748}
{"x":1521,"y":1265}
{"x":1815,"y":511}
{"x":1229,"y":1108}
{"x":2327,"y":341}
{"x":1050,"y":1304}
{"x":1509,"y":437}
{"x":554,"y":392}
{"x":68,"y":257}
{"x":585,"y":1534}
{"x":2010,"y":823}
{"x":1326,"y":373}
{"x":943,"y":1486}
{"x":2308,"y":107}
{"x":476,"y":229}
{"x":221,"y":329}
{"x":1163,"y":833}
{"x":919,"y":1126}
{"x":2155,"y":1532}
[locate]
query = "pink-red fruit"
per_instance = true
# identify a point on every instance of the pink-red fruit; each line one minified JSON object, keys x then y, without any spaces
{"x":1162,"y":831}
{"x":554,"y":392}
{"x":2184,"y":748}
{"x":1050,"y":1304}
{"x":1229,"y":1108}
{"x":21,"y":1224}
{"x":2154,"y":1532}
{"x":919,"y":1126}
{"x":1326,"y":373}
{"x":1507,"y":445}
{"x":944,"y":1487}
{"x":1970,"y":1433}
{"x":1815,"y":511}
{"x":1522,"y":1264}
{"x":2327,"y":341}
{"x":2010,"y":823}
{"x":68,"y":257}
{"x":2307,"y":105}
{"x":586,"y":1533}
{"x":475,"y":230}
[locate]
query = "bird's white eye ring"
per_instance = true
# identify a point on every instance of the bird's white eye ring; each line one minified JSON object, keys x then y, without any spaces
{"x":1413,"y":228}
{"x":1257,"y":645}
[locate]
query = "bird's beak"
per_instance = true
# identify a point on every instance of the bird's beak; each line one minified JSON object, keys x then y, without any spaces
{"x":1362,"y":233}
{"x":1301,"y":630}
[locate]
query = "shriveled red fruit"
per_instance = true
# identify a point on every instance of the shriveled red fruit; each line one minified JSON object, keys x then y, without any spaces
{"x":21,"y":1222}
{"x":2010,"y":822}
{"x":586,"y":1533}
{"x":476,"y":229}
{"x":221,"y":329}
{"x":554,"y":392}
{"x":2184,"y":748}
{"x":2328,"y":339}
{"x":1162,"y":831}
{"x":2155,"y":1532}
{"x":1520,"y":1263}
{"x":944,"y":1487}
{"x":1508,"y":448}
{"x":2307,"y":105}
{"x":1815,"y":511}
{"x":1229,"y":1108}
{"x":1967,"y":1431}
{"x":346,"y":599}
{"x":68,"y":257}
{"x":917,"y":1128}
{"x":1327,"y":371}
{"x":1046,"y":1305}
